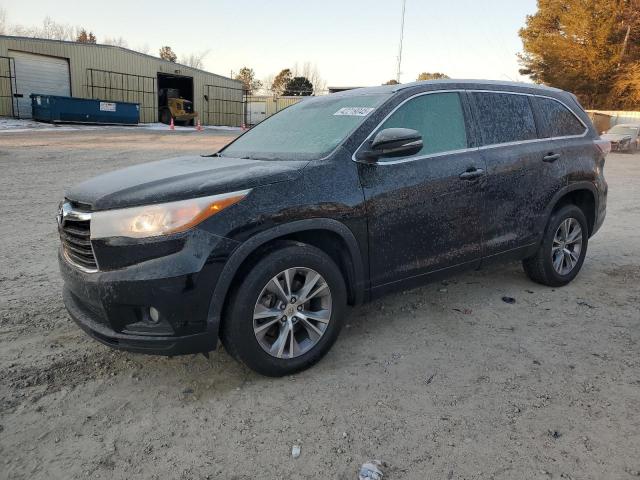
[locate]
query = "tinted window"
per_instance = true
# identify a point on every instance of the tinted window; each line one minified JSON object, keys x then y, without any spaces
{"x":504,"y":117}
{"x":437,"y":116}
{"x":307,"y":130}
{"x":557,"y":120}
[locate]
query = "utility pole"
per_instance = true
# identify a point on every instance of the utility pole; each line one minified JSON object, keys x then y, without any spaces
{"x":404,"y":4}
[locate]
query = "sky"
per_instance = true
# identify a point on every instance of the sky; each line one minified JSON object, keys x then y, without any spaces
{"x":352,"y":42}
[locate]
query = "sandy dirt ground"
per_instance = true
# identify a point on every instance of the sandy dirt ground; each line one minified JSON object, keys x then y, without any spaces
{"x":443,"y":382}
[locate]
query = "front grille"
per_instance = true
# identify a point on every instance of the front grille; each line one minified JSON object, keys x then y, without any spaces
{"x":74,"y":227}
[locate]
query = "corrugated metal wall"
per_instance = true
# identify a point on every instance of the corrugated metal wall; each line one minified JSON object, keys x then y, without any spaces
{"x":274,"y":104}
{"x":128,"y":66}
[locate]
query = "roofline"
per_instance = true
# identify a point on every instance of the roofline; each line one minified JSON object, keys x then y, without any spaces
{"x":102,"y":45}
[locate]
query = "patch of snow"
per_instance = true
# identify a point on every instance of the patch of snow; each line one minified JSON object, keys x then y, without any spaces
{"x":162,"y":126}
{"x":15,"y":125}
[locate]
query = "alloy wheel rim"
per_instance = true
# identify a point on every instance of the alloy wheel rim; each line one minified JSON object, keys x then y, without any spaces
{"x":292,"y":312}
{"x":567,"y":246}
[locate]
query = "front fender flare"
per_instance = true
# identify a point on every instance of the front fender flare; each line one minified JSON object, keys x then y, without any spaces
{"x":247,"y":248}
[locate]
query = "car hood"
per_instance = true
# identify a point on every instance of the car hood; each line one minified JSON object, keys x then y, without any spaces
{"x":178,"y":179}
{"x":615,"y":137}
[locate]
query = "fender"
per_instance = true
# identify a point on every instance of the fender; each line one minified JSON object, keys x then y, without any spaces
{"x":583,"y":185}
{"x":243,"y":251}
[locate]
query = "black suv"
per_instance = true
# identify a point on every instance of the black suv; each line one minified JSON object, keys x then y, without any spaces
{"x":333,"y":201}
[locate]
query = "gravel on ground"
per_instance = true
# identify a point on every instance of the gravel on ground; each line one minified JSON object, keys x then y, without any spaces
{"x":447,"y":381}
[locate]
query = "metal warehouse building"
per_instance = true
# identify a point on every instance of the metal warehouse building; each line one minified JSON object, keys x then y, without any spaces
{"x":105,"y":72}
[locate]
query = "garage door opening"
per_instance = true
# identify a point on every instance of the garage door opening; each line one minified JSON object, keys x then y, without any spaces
{"x":175,"y":99}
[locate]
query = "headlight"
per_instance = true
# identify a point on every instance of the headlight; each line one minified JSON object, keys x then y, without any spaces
{"x":161,"y":219}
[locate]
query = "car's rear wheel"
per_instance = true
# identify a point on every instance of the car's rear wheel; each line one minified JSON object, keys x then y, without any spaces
{"x":287,"y":312}
{"x":564,"y":246}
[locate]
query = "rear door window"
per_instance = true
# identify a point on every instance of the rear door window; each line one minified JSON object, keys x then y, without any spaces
{"x":504,"y":118}
{"x":557,"y":120}
{"x":439,"y":119}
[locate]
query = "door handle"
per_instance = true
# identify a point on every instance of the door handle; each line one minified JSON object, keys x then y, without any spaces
{"x":471,"y":174}
{"x":551,"y":157}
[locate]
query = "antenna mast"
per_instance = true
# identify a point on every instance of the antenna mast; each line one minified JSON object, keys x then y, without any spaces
{"x":404,"y":4}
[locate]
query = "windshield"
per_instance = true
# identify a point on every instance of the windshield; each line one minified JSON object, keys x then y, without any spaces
{"x":307,"y":130}
{"x":623,"y":130}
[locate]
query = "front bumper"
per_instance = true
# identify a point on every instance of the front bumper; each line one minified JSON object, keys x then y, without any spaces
{"x":113,"y":306}
{"x":150,"y":344}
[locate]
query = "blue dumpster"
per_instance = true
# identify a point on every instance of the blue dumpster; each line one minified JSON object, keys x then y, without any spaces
{"x":54,"y":108}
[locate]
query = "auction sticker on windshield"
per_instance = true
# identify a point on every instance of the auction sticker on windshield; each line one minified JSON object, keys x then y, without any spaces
{"x":355,"y":111}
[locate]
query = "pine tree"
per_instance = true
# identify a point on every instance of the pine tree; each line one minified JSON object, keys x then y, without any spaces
{"x":85,"y":37}
{"x":579,"y":45}
{"x":299,"y":87}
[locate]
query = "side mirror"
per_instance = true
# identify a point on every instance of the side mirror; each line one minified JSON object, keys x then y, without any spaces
{"x":393,"y":142}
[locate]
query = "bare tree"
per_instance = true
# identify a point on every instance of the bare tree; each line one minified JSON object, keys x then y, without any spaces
{"x":195,"y":60}
{"x":116,"y":42}
{"x":311,"y":73}
{"x":248,"y":77}
{"x":144,"y":48}
{"x":267,"y":84}
{"x":4,"y":24}
{"x":50,"y":30}
{"x":55,"y":31}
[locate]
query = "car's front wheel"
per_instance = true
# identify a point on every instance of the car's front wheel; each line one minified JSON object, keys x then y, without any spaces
{"x":563,"y":248}
{"x":287,"y":312}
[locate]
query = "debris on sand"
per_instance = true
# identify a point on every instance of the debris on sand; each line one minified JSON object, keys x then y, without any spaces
{"x":371,"y":470}
{"x":466,"y":311}
{"x":582,"y":303}
{"x":509,"y":300}
{"x":295,"y":451}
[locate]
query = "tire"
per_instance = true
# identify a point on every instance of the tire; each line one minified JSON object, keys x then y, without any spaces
{"x":540,"y":267}
{"x":239,"y":327}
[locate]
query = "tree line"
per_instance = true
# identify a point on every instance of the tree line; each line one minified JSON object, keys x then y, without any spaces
{"x":588,"y":47}
{"x":304,"y":80}
{"x":52,"y":30}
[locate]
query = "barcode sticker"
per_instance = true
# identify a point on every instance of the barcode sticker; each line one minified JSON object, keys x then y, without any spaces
{"x":355,"y":111}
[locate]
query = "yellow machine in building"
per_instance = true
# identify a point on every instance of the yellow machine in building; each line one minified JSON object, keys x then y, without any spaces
{"x":172,"y":106}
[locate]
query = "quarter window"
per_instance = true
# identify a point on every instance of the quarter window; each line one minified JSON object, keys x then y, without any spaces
{"x":439,"y":119}
{"x":504,"y":118}
{"x":557,"y":120}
